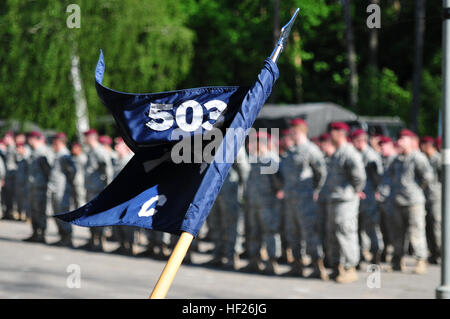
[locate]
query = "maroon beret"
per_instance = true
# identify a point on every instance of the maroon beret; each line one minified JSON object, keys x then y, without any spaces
{"x":439,"y":141}
{"x":35,"y":134}
{"x":358,"y":132}
{"x":406,"y":132}
{"x":324,"y":137}
{"x":105,"y":139}
{"x":9,"y":133}
{"x":384,"y":139}
{"x":60,"y":136}
{"x":427,"y":140}
{"x":339,"y":126}
{"x":90,"y":132}
{"x":298,"y":121}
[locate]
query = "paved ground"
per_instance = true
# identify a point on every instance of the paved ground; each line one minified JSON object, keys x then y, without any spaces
{"x":40,"y":271}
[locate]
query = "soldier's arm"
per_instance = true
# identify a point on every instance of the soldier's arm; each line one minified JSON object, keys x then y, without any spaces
{"x":45,"y":165}
{"x":356,"y":172}
{"x":376,"y":171}
{"x":423,"y":170}
{"x":2,"y":170}
{"x":319,"y":168}
{"x":69,"y":168}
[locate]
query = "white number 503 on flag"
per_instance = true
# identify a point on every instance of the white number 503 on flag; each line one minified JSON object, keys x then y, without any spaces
{"x":161,"y":118}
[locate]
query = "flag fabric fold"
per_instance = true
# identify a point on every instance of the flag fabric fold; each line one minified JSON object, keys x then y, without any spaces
{"x":153,"y":191}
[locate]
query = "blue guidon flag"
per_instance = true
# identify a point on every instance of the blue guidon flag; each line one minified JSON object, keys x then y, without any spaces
{"x":156,"y":190}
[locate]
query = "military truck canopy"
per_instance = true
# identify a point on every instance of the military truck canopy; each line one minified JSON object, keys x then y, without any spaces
{"x":318,"y":116}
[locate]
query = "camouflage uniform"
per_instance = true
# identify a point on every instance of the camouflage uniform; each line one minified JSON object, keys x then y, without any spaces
{"x":347,"y":176}
{"x":98,"y":176}
{"x":10,"y":181}
{"x":322,"y":204}
{"x":409,"y":173}
{"x":369,"y":220}
{"x":304,"y":173}
{"x":22,"y":182}
{"x":124,"y":234}
{"x":60,"y":189}
{"x":2,"y":176}
{"x":263,"y":221}
{"x":386,"y":202}
{"x":79,"y":189}
{"x":39,"y":173}
{"x":226,"y":211}
{"x":433,"y":207}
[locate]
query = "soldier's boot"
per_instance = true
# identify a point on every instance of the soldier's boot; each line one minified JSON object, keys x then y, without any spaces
{"x":421,"y":267}
{"x":253,"y":265}
{"x":376,"y":258}
{"x":271,"y":267}
{"x":231,"y":263}
{"x":40,"y":238}
{"x":296,"y":269}
{"x":348,"y":276}
{"x":216,"y":261}
{"x":434,"y":259}
{"x":398,"y":264}
{"x":338,"y":272}
{"x":88,"y":245}
{"x":319,"y":270}
{"x":65,"y":241}
{"x":97,"y":243}
{"x":32,"y":238}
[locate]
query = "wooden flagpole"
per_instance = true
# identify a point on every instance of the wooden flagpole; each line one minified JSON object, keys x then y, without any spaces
{"x":171,"y":268}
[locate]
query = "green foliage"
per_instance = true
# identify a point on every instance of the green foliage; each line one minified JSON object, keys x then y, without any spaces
{"x":153,"y":46}
{"x":146,"y":47}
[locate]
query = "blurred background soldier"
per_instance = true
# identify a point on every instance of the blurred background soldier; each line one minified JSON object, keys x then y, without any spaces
{"x":79,"y":191}
{"x":369,"y":221}
{"x":286,"y":143}
{"x":60,"y":187}
{"x":433,"y":199}
{"x":263,"y":221}
{"x":410,"y":173}
{"x":106,"y":141}
{"x":10,"y":178}
{"x":124,"y":234}
{"x":226,"y":214}
{"x":304,"y":172}
{"x":347,"y":178}
{"x":2,"y":177}
{"x":384,"y":195}
{"x":23,"y":156}
{"x":98,"y":175}
{"x":328,"y":150}
{"x":39,"y":172}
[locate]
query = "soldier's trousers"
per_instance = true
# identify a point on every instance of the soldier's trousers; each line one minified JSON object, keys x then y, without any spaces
{"x":38,"y":207}
{"x":60,"y":204}
{"x":433,"y":226}
{"x":9,"y":194}
{"x":322,"y":224}
{"x":386,"y":221}
{"x":409,"y":223}
{"x":125,"y":234}
{"x":369,"y":222}
{"x":95,"y":231}
{"x":302,"y":224}
{"x":263,"y":226}
{"x":342,"y":230}
{"x":225,"y":218}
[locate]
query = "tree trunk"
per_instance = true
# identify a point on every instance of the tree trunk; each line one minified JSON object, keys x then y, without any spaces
{"x":79,"y":97}
{"x":351,"y":55}
{"x":373,"y":45}
{"x":419,"y":30}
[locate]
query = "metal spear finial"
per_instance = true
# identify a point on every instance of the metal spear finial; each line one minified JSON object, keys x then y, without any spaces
{"x":283,"y":38}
